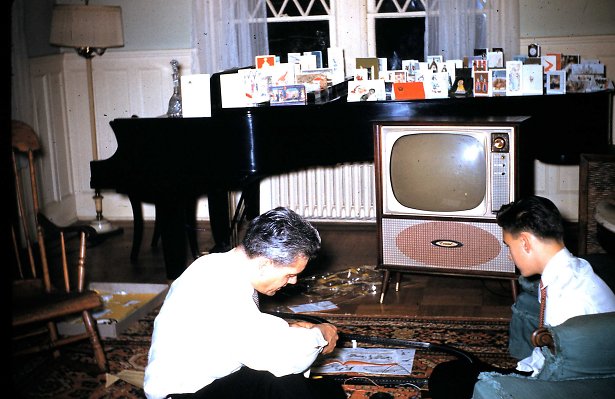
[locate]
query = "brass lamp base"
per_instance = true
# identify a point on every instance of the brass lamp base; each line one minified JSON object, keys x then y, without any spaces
{"x":100,"y":224}
{"x":103,"y":226}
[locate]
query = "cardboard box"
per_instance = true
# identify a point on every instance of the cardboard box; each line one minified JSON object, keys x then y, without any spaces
{"x":125,"y":304}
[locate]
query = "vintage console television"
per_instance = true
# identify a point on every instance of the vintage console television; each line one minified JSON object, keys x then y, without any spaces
{"x":439,"y":185}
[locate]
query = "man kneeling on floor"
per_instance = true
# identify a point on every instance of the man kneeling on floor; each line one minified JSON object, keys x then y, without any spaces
{"x":210,"y":339}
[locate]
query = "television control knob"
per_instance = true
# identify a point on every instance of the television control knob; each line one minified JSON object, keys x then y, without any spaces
{"x":499,"y":143}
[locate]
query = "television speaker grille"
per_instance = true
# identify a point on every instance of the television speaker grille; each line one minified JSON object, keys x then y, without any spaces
{"x":451,"y":246}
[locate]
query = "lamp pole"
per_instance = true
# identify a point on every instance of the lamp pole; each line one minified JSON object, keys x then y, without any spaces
{"x":101,"y":225}
{"x":90,"y":30}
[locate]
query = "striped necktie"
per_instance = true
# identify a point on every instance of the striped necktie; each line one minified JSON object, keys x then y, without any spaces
{"x":255,"y":298}
{"x":543,"y":303}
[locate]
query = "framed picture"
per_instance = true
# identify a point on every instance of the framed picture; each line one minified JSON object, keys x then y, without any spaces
{"x":370,"y":64}
{"x":579,"y":83}
{"x":361,"y":74}
{"x":549,"y":63}
{"x":282,"y":74}
{"x":263,"y":61}
{"x":288,"y":95}
{"x":482,"y":84}
{"x":498,"y":81}
{"x":556,"y":82}
{"x":558,"y":60}
{"x":514,"y":73}
{"x":408,"y":91}
{"x":312,"y":81}
{"x":495,"y":59}
{"x":587,"y":68}
{"x":532,"y":80}
{"x":255,"y":85}
{"x":294,"y":58}
{"x":196,"y":98}
{"x":366,"y":90}
{"x":398,"y":76}
{"x":383,"y":67}
{"x":434,"y":66}
{"x":479,"y":65}
{"x":463,"y":83}
{"x":307,"y":61}
{"x":335,"y":61}
{"x":436,"y":85}
{"x":318,"y":55}
{"x":568,"y":60}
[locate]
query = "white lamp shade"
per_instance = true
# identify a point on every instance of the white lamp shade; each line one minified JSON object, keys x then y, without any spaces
{"x":80,"y":26}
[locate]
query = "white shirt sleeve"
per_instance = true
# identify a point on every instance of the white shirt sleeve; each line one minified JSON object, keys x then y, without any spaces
{"x":533,"y":363}
{"x":269,"y":343}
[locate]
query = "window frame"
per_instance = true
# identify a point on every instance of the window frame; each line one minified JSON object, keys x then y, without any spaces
{"x":343,"y":14}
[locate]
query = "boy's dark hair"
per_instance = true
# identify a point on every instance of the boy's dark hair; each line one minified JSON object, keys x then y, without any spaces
{"x":534,"y":214}
{"x":281,"y":235}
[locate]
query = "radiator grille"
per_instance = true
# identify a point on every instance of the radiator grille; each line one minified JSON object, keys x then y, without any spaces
{"x":340,"y":193}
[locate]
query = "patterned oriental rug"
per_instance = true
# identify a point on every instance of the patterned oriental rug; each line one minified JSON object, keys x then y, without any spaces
{"x":73,"y":374}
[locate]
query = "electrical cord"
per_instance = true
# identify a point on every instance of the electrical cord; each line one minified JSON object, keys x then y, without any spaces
{"x":343,"y":337}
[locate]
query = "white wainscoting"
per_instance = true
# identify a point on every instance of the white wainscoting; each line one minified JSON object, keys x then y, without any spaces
{"x":125,"y":84}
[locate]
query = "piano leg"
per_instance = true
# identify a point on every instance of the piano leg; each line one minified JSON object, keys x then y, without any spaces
{"x":224,"y":222}
{"x":137,"y":236}
{"x":137,"y":231}
{"x":171,"y":216}
{"x":219,"y":219}
{"x":191,"y":225}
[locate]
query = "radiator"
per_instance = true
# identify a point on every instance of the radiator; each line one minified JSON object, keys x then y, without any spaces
{"x":339,"y":193}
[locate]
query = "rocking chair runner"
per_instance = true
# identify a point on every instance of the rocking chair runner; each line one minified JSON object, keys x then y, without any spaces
{"x":52,"y":287}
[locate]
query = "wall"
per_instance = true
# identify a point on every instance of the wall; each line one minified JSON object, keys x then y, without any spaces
{"x":163,"y":24}
{"x":540,"y":18}
{"x":148,"y":24}
{"x":158,"y":30}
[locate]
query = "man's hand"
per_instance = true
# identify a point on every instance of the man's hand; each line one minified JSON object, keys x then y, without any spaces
{"x":329,"y":332}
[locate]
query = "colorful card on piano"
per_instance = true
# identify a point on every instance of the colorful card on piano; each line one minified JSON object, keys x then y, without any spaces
{"x":288,"y":95}
{"x":408,"y":90}
{"x":366,"y":90}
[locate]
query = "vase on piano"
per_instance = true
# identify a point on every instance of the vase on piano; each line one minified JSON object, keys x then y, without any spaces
{"x":175,"y":102}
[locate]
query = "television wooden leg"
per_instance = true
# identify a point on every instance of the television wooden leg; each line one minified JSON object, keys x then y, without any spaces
{"x":385,"y":284}
{"x":397,"y":281}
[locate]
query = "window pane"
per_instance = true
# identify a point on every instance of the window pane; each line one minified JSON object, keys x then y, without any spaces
{"x":400,"y":39}
{"x":396,"y":5}
{"x":297,"y":37}
{"x":289,"y":8}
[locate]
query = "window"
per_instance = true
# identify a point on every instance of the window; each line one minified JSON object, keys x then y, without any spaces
{"x":295,"y":26}
{"x":398,"y":30}
{"x":394,"y":29}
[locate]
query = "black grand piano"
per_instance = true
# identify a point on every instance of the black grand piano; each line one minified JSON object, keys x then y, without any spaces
{"x":171,"y":161}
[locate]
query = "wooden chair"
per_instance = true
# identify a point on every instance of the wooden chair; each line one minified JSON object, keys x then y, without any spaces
{"x":53,"y":287}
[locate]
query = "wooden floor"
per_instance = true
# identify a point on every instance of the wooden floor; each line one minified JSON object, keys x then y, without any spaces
{"x":344,"y":247}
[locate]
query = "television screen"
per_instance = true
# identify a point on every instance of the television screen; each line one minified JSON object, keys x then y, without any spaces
{"x":441,"y":172}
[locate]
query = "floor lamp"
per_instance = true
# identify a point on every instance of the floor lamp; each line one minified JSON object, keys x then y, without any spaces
{"x":90,"y":30}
